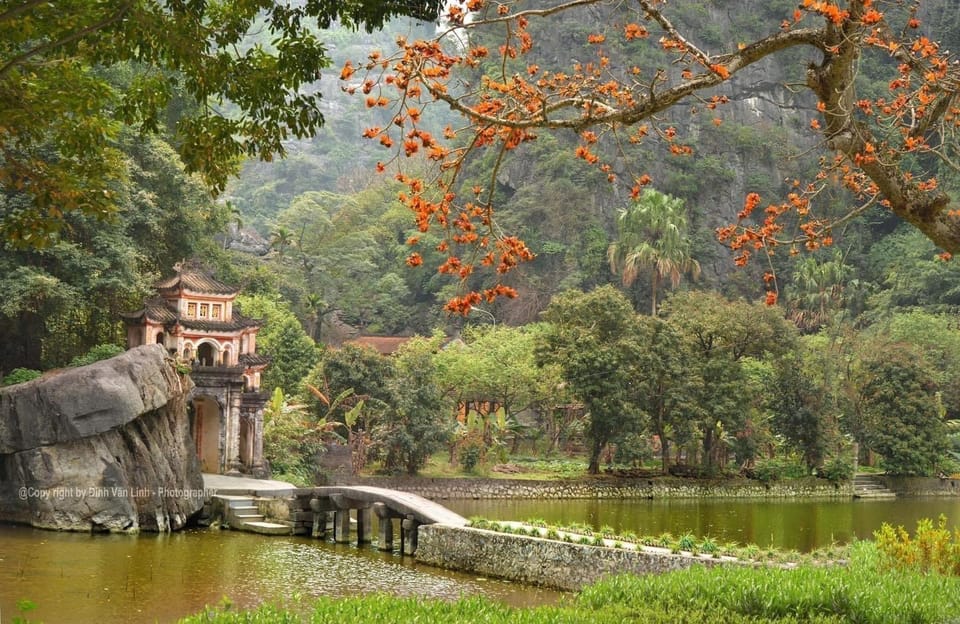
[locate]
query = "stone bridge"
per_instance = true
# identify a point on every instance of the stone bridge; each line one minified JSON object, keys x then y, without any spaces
{"x":410,"y":510}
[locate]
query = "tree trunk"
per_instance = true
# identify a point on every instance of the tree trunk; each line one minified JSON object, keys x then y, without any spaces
{"x":594,"y":467}
{"x":665,"y":454}
{"x":654,"y":282}
{"x":708,"y":448}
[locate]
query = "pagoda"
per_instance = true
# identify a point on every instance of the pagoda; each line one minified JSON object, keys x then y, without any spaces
{"x":195,"y":318}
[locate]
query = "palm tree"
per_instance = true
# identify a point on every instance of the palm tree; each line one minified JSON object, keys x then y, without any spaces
{"x":280,"y":239}
{"x":315,"y":310}
{"x":818,"y":290}
{"x":652,"y":235}
{"x":236,"y":220}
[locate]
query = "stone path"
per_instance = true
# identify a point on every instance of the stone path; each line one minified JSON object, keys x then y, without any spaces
{"x":245,"y":486}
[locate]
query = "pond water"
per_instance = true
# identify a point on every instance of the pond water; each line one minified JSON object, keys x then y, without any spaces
{"x":159,"y":578}
{"x":798,"y":525}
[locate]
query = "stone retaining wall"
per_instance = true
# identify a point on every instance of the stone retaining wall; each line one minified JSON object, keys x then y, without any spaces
{"x":537,"y":561}
{"x":921,"y":486}
{"x":657,"y":488}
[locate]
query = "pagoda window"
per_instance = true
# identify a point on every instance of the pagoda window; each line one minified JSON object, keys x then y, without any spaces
{"x":215,"y":312}
{"x":191,"y":310}
{"x":204,"y":309}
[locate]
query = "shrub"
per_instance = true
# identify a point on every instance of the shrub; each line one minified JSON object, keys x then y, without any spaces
{"x":837,"y":470}
{"x":930,"y":549}
{"x":469,"y":454}
{"x":688,"y":542}
{"x":770,"y":470}
{"x":97,"y":353}
{"x":20,"y":375}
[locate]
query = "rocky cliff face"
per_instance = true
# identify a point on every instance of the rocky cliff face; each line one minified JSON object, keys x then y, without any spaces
{"x":104,"y":447}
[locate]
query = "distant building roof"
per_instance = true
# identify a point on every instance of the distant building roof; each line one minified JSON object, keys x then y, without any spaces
{"x":194,"y":280}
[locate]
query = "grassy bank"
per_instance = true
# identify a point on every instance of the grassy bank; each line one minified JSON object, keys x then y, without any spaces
{"x":859,"y":592}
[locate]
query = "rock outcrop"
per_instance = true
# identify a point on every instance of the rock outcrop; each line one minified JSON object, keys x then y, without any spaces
{"x":105,"y":447}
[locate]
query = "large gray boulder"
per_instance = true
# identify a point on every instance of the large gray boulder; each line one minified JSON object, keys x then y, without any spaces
{"x":104,"y":447}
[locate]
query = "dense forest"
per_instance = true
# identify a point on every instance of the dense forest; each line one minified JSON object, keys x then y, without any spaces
{"x":318,"y":243}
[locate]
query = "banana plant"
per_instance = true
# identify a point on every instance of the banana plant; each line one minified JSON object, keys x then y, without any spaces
{"x":358,"y":441}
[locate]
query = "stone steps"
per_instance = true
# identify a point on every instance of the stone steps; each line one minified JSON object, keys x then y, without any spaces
{"x":267,"y":528}
{"x":868,"y":486}
{"x":242,"y":513}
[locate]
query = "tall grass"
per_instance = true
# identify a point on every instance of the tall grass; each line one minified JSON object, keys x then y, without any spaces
{"x":856,"y":593}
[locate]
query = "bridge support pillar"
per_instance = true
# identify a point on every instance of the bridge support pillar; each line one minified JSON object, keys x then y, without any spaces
{"x":341,"y":526}
{"x":320,"y":521}
{"x":319,"y":526}
{"x":321,"y":507}
{"x":385,"y":526}
{"x":364,"y":526}
{"x":409,"y":534}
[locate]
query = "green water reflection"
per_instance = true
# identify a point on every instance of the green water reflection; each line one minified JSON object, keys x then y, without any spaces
{"x":802,"y":526}
{"x":150,"y":578}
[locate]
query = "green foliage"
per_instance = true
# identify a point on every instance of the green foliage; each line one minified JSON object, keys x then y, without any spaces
{"x":166,"y":58}
{"x":20,"y":375}
{"x":592,"y":337}
{"x":722,"y":337}
{"x":496,"y":363}
{"x":905,"y":264}
{"x":555,"y":468}
{"x":283,"y":339}
{"x":819,"y":289}
{"x":63,"y":300}
{"x":417,"y":425}
{"x":930,"y":549}
{"x":852,"y":593}
{"x":292,"y":441}
{"x":935,"y":336}
{"x":97,"y":353}
{"x":24,"y":607}
{"x":801,"y":411}
{"x":360,"y":369}
{"x":470,"y":452}
{"x":837,"y":469}
{"x":897,"y":406}
{"x":652,"y":236}
{"x":662,"y":386}
{"x":768,"y":470}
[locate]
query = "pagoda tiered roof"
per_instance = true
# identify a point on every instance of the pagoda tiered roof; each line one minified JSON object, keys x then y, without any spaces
{"x":195,"y":281}
{"x":161,"y":311}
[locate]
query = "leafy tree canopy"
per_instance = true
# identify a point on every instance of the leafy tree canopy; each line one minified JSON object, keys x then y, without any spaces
{"x":592,"y":337}
{"x":898,"y":408}
{"x":231,"y":73}
{"x":496,"y":363}
{"x":282,"y":338}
